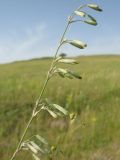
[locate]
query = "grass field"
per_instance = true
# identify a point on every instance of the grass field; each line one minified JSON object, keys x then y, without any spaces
{"x":94,"y":135}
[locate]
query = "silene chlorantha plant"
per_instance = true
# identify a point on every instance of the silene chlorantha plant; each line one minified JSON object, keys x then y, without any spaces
{"x":38,"y":145}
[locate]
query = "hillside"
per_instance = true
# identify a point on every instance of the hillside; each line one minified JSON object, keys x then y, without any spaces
{"x":94,"y":135}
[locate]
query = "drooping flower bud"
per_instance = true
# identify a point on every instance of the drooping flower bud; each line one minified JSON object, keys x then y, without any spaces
{"x":78,"y":44}
{"x":95,"y":7}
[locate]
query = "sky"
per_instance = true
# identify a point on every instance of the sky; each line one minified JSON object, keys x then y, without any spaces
{"x":32,"y":28}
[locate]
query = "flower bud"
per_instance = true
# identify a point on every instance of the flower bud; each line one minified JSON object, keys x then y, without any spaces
{"x":95,"y":7}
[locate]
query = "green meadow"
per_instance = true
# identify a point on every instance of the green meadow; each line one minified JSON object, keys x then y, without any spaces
{"x":93,"y":135}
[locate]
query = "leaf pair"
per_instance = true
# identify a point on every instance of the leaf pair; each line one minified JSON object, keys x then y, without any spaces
{"x":35,"y":148}
{"x":54,"y":109}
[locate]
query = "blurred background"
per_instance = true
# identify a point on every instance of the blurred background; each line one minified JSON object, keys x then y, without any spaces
{"x":29,"y":31}
{"x":32,"y":29}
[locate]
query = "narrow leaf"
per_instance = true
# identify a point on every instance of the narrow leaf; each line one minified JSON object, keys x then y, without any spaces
{"x":36,"y":157}
{"x":60,"y":114}
{"x":32,"y":148}
{"x":41,"y":139}
{"x":53,"y":114}
{"x":36,"y":147}
{"x":61,"y":109}
{"x":78,"y":44}
{"x":95,"y":7}
{"x":80,"y":13}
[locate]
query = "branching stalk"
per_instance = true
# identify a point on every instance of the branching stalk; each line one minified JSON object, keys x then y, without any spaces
{"x":41,"y":94}
{"x":62,"y":72}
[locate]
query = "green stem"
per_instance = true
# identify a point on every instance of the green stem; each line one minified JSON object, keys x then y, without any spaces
{"x":41,"y":94}
{"x":21,"y":140}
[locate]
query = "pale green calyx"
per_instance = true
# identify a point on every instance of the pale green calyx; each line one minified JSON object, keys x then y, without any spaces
{"x":95,"y":7}
{"x":78,"y":44}
{"x":94,"y":23}
{"x":89,"y":19}
{"x":80,"y":13}
{"x":68,"y":61}
{"x":67,"y":73}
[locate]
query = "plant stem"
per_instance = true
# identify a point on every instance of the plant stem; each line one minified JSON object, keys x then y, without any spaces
{"x":41,"y":94}
{"x":21,"y":140}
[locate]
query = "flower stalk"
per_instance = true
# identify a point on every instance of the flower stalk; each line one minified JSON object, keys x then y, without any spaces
{"x":34,"y":112}
{"x":62,"y":72}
